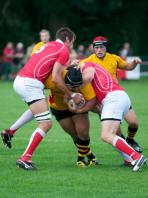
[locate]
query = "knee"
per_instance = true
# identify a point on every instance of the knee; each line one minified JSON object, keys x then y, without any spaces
{"x":83,"y":133}
{"x":45,"y":125}
{"x":105,"y":137}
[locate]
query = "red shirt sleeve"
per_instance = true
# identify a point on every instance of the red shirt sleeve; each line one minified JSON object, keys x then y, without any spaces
{"x":63,"y":57}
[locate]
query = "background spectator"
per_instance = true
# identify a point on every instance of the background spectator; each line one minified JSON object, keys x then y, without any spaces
{"x":126,"y":50}
{"x":18,"y":57}
{"x":89,"y":50}
{"x":7,"y":60}
{"x":80,"y":52}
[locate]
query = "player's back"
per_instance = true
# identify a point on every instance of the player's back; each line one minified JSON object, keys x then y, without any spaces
{"x":41,"y":63}
{"x":102,"y":82}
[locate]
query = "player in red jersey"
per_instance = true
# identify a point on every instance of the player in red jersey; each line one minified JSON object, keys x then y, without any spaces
{"x":28,"y":84}
{"x":113,"y":110}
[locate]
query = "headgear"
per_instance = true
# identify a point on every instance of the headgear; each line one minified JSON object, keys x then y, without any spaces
{"x":99,"y":40}
{"x":73,"y":76}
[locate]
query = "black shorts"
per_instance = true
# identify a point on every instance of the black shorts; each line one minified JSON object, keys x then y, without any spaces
{"x":60,"y":115}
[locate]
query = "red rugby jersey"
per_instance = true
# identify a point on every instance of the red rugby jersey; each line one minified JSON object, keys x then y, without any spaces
{"x":42,"y":61}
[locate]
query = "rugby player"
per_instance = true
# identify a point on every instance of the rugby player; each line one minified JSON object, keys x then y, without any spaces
{"x":112,"y":62}
{"x":77,"y":125}
{"x":44,"y":38}
{"x":109,"y":94}
{"x":50,"y":58}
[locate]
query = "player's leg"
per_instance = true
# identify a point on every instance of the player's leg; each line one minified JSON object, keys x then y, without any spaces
{"x":108,"y":130}
{"x":119,"y":132}
{"x":31,"y":91}
{"x":97,"y":109}
{"x":132,"y":121}
{"x":8,"y":133}
{"x":69,"y":121}
{"x":41,"y":113}
{"x":113,"y":110}
{"x":83,"y":139}
{"x":66,"y":122}
{"x":69,"y":126}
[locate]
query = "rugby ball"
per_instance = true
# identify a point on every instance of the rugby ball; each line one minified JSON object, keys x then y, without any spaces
{"x":72,"y":105}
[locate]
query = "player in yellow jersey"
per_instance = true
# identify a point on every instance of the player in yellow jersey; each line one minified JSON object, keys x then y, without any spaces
{"x":77,"y":125}
{"x":44,"y":38}
{"x":112,"y":62}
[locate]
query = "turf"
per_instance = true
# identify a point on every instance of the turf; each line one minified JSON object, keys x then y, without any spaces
{"x":57,"y":175}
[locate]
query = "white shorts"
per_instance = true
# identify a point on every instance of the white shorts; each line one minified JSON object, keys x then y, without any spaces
{"x":28,"y":89}
{"x":115,"y":106}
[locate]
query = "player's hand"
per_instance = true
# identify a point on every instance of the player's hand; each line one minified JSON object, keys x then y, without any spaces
{"x":77,"y":97}
{"x":137,"y":61}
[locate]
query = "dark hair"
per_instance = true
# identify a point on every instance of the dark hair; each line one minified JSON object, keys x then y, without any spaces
{"x":73,"y":76}
{"x":64,"y":32}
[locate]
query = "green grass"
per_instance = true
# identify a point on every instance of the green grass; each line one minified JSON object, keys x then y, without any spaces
{"x":57,"y":175}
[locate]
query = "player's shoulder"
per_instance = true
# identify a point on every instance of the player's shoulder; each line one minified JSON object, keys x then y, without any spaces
{"x":39,"y":44}
{"x":91,"y":57}
{"x":114,"y":56}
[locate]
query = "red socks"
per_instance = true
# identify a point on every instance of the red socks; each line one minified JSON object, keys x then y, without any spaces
{"x":122,"y":146}
{"x":35,"y":140}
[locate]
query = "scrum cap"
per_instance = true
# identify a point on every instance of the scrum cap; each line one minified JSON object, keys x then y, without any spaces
{"x":99,"y":40}
{"x":73,"y":76}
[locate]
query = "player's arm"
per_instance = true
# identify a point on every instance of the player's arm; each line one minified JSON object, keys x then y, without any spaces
{"x":131,"y":65}
{"x":96,"y":109}
{"x":122,"y":64}
{"x":57,"y":77}
{"x":90,"y":104}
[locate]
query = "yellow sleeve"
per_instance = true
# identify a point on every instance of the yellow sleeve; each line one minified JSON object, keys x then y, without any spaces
{"x":88,"y":91}
{"x":120,"y":62}
{"x":37,"y":46}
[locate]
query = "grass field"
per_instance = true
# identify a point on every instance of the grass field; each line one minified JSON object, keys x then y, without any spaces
{"x":57,"y":175}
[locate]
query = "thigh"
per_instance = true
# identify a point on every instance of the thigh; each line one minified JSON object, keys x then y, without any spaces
{"x":65,"y":120}
{"x":81,"y":122}
{"x":39,"y":106}
{"x":61,"y":114}
{"x":68,"y":126}
{"x":110,"y":126}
